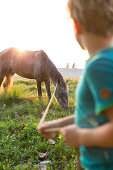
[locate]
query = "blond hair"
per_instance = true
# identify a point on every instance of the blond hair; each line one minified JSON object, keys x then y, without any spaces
{"x":96,"y":16}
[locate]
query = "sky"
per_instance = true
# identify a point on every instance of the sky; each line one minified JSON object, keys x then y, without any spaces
{"x":40,"y":25}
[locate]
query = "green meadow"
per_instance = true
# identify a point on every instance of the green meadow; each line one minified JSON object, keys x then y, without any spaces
{"x":21,"y":146}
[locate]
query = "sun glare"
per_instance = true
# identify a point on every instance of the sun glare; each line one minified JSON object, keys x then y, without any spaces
{"x":21,"y":50}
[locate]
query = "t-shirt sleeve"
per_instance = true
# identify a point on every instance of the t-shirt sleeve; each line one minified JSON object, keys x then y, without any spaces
{"x":99,"y":78}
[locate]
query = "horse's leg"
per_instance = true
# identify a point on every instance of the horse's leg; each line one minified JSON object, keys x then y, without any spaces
{"x":39,"y":88}
{"x":47,"y":84}
{"x":8,"y":81}
{"x":1,"y":79}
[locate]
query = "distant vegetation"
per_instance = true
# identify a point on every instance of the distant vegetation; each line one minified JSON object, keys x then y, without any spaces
{"x":21,"y":146}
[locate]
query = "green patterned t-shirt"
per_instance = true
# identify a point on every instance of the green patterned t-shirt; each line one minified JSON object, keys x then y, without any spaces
{"x":94,"y":94}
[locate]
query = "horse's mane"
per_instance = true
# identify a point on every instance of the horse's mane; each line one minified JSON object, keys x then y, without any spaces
{"x":53,"y":72}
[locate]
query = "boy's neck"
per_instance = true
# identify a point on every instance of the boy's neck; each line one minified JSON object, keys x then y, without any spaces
{"x":96,"y":43}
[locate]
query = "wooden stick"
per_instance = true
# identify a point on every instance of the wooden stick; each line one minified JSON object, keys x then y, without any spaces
{"x":47,"y":108}
{"x":52,"y":129}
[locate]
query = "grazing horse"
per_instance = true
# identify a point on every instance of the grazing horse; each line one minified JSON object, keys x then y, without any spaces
{"x":33,"y":65}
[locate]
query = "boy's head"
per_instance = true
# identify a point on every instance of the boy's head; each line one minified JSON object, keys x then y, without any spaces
{"x":95,"y":16}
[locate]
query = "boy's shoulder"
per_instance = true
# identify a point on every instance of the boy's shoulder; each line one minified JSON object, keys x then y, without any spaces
{"x":101,"y":61}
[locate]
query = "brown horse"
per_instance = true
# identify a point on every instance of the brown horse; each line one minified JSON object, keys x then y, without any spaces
{"x":33,"y":65}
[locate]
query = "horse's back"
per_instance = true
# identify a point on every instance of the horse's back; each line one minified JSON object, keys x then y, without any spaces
{"x":20,"y":62}
{"x":23,"y":63}
{"x":28,"y":64}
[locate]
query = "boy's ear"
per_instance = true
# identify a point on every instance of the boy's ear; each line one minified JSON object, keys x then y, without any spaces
{"x":77,"y":27}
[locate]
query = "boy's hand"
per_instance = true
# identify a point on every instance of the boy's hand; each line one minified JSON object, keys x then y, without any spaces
{"x":71,"y":135}
{"x":47,"y":125}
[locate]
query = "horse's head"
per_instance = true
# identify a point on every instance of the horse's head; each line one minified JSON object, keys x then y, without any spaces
{"x":61,"y":94}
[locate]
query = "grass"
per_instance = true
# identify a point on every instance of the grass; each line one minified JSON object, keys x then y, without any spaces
{"x":20,"y":142}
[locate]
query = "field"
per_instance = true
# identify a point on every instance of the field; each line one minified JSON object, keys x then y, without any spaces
{"x":21,"y":146}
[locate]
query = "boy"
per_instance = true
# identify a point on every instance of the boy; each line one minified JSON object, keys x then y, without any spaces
{"x":93,"y":131}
